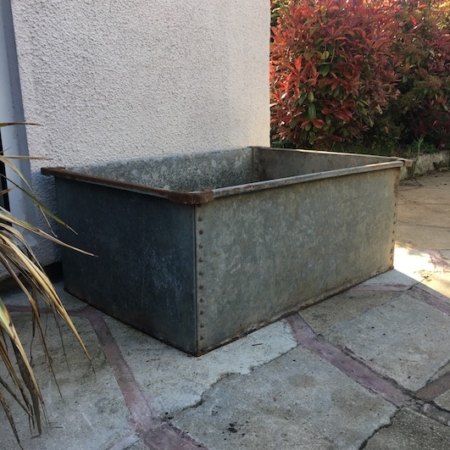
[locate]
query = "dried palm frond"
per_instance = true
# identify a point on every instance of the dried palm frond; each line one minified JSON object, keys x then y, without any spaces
{"x":20,"y":262}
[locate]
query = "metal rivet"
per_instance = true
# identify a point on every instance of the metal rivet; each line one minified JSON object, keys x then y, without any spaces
{"x":200,"y":259}
{"x":200,"y":245}
{"x":202,"y":325}
{"x":201,"y":286}
{"x":200,"y":219}
{"x":200,"y":231}
{"x":200,"y":273}
{"x":202,"y":337}
{"x":201,"y":300}
{"x":202,"y":312}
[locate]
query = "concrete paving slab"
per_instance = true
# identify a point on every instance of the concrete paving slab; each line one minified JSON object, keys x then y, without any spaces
{"x":437,"y":388}
{"x":297,"y":401}
{"x":414,"y":264}
{"x":139,"y":445}
{"x":344,"y":306}
{"x":442,"y":380}
{"x":423,"y":211}
{"x":91,"y":414}
{"x":425,"y":288}
{"x":435,"y":203}
{"x":411,"y":431}
{"x":440,"y":283}
{"x":434,"y":180}
{"x":176,"y":380}
{"x":443,"y":400}
{"x":428,"y":191}
{"x":442,"y":371}
{"x":404,"y":338}
{"x":71,"y":303}
{"x":391,"y":279}
{"x":422,"y":236}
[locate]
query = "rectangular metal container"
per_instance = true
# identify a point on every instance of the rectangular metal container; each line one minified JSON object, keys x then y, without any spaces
{"x":198,"y":250}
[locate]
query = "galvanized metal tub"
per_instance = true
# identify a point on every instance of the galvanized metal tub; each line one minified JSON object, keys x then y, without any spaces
{"x":198,"y":250}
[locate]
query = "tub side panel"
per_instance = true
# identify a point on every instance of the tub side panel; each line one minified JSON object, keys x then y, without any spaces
{"x":143,"y":274}
{"x":281,"y":163}
{"x":265,"y":254}
{"x":191,"y":172}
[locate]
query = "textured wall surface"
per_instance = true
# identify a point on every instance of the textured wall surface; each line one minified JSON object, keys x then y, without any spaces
{"x":117,"y":79}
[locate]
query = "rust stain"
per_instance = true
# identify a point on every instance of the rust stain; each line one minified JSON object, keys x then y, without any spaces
{"x":183,"y":197}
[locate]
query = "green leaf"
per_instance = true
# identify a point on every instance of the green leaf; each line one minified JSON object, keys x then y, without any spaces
{"x":324,"y":69}
{"x":312,"y":111}
{"x":301,"y":99}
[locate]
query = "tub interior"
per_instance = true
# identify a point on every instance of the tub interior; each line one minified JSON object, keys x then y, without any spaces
{"x":221,"y":169}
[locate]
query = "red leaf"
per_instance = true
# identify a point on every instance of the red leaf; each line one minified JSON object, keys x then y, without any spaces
{"x":318,"y":123}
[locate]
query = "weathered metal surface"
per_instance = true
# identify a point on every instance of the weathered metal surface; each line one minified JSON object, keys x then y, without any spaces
{"x":143,"y":272}
{"x":291,"y":163}
{"x":187,"y":179}
{"x":202,"y":177}
{"x":264,"y":255}
{"x":202,"y":267}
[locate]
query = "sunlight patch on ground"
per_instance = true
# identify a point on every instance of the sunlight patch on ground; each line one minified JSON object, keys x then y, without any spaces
{"x":416,"y":264}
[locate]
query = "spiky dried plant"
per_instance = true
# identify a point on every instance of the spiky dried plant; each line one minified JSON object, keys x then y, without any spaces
{"x":17,"y":257}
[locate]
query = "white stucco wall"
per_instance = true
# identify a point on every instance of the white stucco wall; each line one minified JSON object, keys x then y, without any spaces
{"x":114,"y":79}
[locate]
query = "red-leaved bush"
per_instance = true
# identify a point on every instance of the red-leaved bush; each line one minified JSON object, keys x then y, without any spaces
{"x":332,"y":70}
{"x":422,"y":109}
{"x":373,"y":70}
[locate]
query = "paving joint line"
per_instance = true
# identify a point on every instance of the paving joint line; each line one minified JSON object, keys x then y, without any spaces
{"x":436,"y":301}
{"x":153,"y":429}
{"x":348,"y":363}
{"x":366,"y":376}
{"x":422,"y":401}
{"x":435,"y":388}
{"x":432,"y":411}
{"x":156,"y":433}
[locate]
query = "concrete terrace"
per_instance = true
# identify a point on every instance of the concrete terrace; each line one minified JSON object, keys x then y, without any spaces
{"x":366,"y":369}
